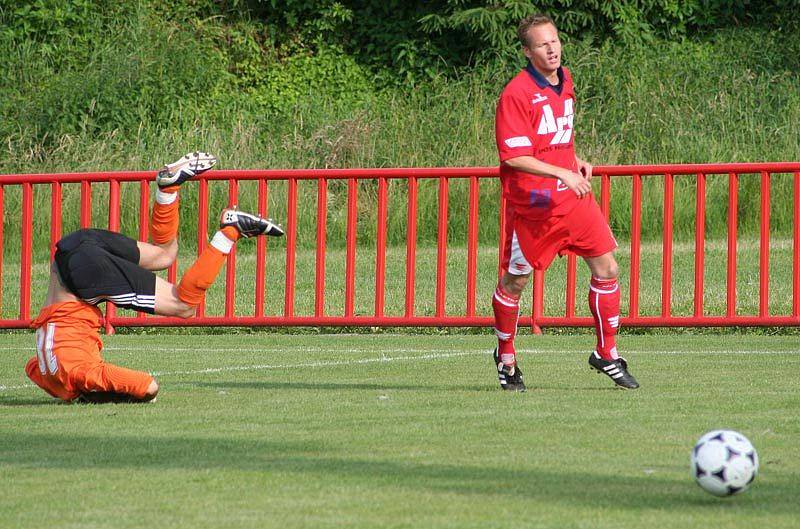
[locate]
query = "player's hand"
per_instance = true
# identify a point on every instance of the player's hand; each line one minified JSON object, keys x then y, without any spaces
{"x":585,"y":168}
{"x":576,"y":182}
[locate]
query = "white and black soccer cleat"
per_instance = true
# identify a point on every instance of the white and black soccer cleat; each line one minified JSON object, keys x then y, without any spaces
{"x":617,"y":370}
{"x":510,"y":377}
{"x":249,"y":225}
{"x":187,"y":167}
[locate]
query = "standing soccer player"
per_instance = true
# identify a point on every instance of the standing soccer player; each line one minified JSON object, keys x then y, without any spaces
{"x":92,"y":266}
{"x":550,"y":206}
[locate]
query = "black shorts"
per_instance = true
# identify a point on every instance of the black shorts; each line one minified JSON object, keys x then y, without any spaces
{"x":100,"y":265}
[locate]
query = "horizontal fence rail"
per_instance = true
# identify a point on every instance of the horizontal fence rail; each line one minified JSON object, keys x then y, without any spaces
{"x":318,"y":282}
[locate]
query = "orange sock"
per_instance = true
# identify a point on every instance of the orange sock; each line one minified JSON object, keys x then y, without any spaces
{"x":201,"y":275}
{"x":164,"y":218}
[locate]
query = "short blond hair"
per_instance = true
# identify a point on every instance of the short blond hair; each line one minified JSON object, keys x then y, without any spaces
{"x":537,"y":19}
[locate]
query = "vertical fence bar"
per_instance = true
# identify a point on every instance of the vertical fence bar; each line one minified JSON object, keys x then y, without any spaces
{"x":472,"y":245}
{"x":411,"y":246}
{"x":699,"y":244}
{"x":86,"y":204}
{"x":55,"y":216}
{"x":538,"y":300}
{"x":636,"y":244}
{"x":230,"y":266}
{"x":441,"y":248}
{"x":202,"y":229}
{"x":144,"y":210}
{"x":291,"y":248}
{"x":2,"y":216}
{"x":261,"y":251}
{"x":322,"y":218}
{"x":763,"y":268}
{"x":113,"y":225}
{"x":380,"y":248}
{"x":666,"y":259}
{"x":172,"y":271}
{"x":605,"y":195}
{"x":144,"y":218}
{"x":572,"y":265}
{"x":113,"y":205}
{"x":733,"y":229}
{"x":26,"y":242}
{"x":501,"y":251}
{"x":350,"y":256}
{"x":795,"y":253}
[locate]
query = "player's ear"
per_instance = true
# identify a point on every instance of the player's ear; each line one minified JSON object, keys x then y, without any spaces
{"x":526,"y":52}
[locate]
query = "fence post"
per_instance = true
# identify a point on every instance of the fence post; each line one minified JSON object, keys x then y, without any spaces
{"x":763,"y":268}
{"x":472,"y":245}
{"x":733,"y":210}
{"x":666,"y":258}
{"x":113,"y":225}
{"x":411,"y":246}
{"x":26,"y":250}
{"x":441,"y":248}
{"x":699,"y":244}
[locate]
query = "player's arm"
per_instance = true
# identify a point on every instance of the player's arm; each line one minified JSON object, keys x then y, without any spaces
{"x":529,"y":164}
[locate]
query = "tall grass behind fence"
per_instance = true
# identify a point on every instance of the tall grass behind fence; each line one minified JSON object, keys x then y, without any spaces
{"x":712,"y":101}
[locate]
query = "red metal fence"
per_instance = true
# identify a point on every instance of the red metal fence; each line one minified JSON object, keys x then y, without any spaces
{"x":443,"y":176}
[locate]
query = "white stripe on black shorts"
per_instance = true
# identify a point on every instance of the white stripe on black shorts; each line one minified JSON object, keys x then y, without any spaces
{"x":100,"y":265}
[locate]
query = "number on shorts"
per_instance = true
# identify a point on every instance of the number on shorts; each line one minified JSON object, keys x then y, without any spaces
{"x":44,"y":349}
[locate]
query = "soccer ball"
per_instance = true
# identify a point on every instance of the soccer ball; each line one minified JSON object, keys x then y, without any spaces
{"x":724,"y":462}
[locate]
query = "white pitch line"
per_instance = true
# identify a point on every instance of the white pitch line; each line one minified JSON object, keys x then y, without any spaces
{"x":8,"y":388}
{"x":432,"y":354}
{"x":263,"y":367}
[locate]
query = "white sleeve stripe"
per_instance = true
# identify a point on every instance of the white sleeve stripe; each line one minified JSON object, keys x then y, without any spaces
{"x":518,"y":141}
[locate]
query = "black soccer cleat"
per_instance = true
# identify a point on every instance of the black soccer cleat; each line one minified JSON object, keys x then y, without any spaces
{"x":189,"y":166}
{"x":249,"y":225}
{"x":510,"y":376}
{"x":617,"y":370}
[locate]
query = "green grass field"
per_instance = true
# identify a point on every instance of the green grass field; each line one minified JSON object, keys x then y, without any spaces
{"x":401,"y":431}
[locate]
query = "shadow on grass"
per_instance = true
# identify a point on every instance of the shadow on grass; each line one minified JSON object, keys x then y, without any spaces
{"x":538,"y":479}
{"x":9,"y":401}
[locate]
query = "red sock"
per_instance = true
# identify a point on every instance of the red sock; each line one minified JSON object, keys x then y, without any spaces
{"x":604,"y":304}
{"x":506,"y":314}
{"x":202,"y":274}
{"x":164,"y":217}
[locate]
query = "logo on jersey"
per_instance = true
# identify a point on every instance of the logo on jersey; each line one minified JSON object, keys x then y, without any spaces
{"x":562,"y":127}
{"x":539,"y":98}
{"x":540,"y":198}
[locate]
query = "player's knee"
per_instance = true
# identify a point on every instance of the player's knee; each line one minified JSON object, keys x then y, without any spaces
{"x":185,"y":311}
{"x":612,"y":270}
{"x":166,"y":257}
{"x":152,"y":390}
{"x":514,"y":284}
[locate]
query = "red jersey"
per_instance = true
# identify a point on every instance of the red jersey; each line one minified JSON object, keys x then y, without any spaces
{"x":534,"y":118}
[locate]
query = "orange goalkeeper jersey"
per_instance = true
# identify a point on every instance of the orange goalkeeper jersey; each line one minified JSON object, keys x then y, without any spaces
{"x":68,"y":361}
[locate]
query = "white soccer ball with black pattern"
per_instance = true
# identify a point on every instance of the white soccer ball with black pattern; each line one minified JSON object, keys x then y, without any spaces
{"x":724,"y":462}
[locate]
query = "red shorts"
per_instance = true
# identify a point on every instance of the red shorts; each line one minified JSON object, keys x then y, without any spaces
{"x":535,"y":243}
